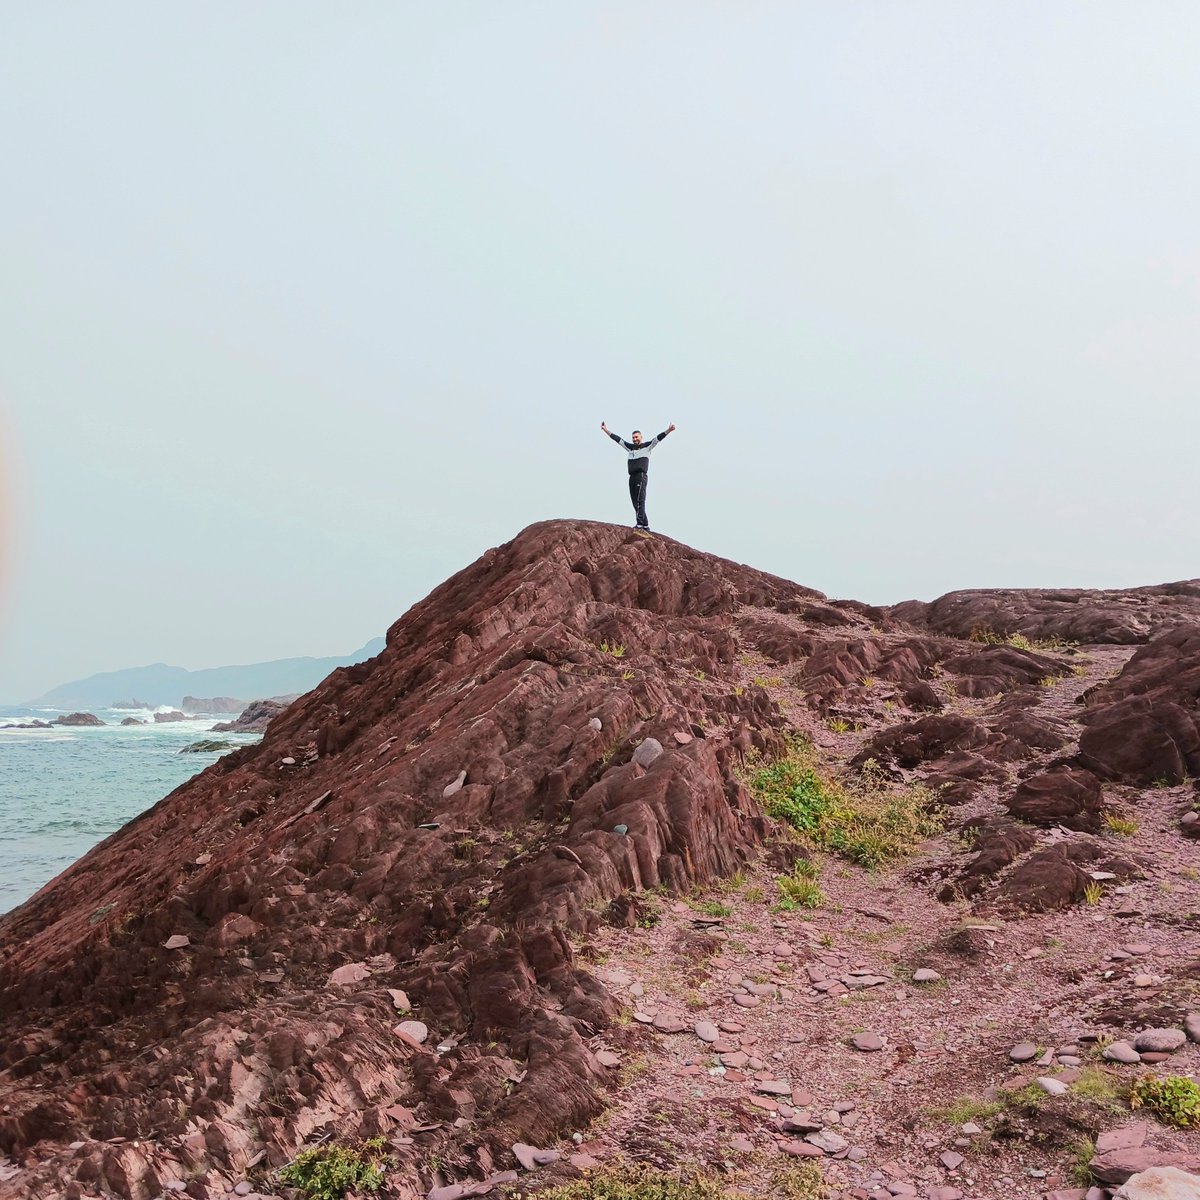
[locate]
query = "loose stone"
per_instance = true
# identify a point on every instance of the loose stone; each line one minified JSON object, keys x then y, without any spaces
{"x":1160,"y":1041}
{"x":1121,"y":1052}
{"x":925,"y":975}
{"x":1023,"y":1052}
{"x":1055,"y":1087}
{"x":867,"y":1042}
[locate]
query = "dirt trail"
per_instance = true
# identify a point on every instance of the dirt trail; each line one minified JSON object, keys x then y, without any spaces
{"x":1046,"y":979}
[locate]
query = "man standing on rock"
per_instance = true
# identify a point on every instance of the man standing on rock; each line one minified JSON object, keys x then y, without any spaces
{"x":639,"y":468}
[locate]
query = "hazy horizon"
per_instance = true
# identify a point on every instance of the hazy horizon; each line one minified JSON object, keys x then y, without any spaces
{"x":307,"y":309}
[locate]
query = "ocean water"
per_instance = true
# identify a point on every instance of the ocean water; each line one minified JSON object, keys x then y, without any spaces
{"x":62,"y":790}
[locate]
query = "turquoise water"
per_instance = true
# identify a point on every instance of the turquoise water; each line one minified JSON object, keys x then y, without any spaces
{"x":63,"y":790}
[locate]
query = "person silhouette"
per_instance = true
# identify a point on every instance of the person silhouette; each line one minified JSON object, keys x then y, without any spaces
{"x":639,"y":468}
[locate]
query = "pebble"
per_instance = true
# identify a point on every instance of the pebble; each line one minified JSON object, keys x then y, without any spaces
{"x":243,"y":1189}
{"x":951,"y":1160}
{"x":454,"y":786}
{"x":596,"y":724}
{"x":667,"y":1024}
{"x":706,"y":1031}
{"x":925,"y":975}
{"x":1023,"y":1052}
{"x":971,"y":1129}
{"x":417,"y":1030}
{"x":744,"y":1001}
{"x":606,"y":1058}
{"x":177,"y":941}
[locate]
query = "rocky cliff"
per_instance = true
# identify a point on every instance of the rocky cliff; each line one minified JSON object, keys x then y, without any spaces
{"x":369,"y":923}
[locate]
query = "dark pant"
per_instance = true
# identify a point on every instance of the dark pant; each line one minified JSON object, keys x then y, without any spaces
{"x":637,"y":493}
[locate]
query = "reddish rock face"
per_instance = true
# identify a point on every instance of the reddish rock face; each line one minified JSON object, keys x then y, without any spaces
{"x":337,"y":841}
{"x":446,"y":822}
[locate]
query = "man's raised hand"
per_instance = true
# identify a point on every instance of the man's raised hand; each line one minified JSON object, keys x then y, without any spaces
{"x":604,"y":426}
{"x":671,"y":427}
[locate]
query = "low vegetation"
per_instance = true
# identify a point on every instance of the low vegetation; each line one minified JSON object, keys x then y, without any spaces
{"x":861,"y":819}
{"x":640,"y":1181}
{"x":1174,"y":1099}
{"x":329,"y":1172}
{"x":799,"y":889}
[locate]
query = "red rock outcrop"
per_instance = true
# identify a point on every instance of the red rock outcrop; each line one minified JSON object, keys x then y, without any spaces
{"x":450,"y":815}
{"x":551,"y":731}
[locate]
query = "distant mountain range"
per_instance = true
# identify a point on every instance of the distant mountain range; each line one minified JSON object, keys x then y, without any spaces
{"x":162,"y":684}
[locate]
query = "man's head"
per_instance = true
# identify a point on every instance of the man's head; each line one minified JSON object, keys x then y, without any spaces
{"x":637,"y":437}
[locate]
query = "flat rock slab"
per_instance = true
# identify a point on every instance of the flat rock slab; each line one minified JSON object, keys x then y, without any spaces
{"x":666,"y":1024}
{"x":417,"y":1030}
{"x":1124,"y":1138}
{"x":867,"y":1042}
{"x":1160,"y":1183}
{"x":1023,"y":1052}
{"x":530,"y":1157}
{"x":1116,"y":1166}
{"x":801,"y":1150}
{"x":925,"y":975}
{"x":706,"y":1031}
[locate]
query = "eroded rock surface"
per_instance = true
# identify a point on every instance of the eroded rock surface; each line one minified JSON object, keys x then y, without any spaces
{"x":555,"y":729}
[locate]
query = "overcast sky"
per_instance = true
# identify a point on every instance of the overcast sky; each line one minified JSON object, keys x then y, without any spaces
{"x":303,"y":306}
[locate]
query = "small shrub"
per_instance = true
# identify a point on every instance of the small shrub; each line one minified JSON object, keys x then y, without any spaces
{"x":1174,"y":1099}
{"x":329,"y":1172}
{"x":614,"y":648}
{"x":754,"y":894}
{"x":1049,"y":681}
{"x":804,"y":1181}
{"x":838,"y":725}
{"x":862,"y":820}
{"x":798,"y":891}
{"x":713,"y":908}
{"x":1121,"y":826}
{"x":1093,"y":893}
{"x":966,"y":1108}
{"x":700,"y":675}
{"x":627,"y":674}
{"x":767,"y":681}
{"x":641,"y":1181}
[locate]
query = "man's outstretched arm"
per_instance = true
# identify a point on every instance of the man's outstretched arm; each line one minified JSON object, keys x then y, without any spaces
{"x":620,"y":442}
{"x":669,"y":429}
